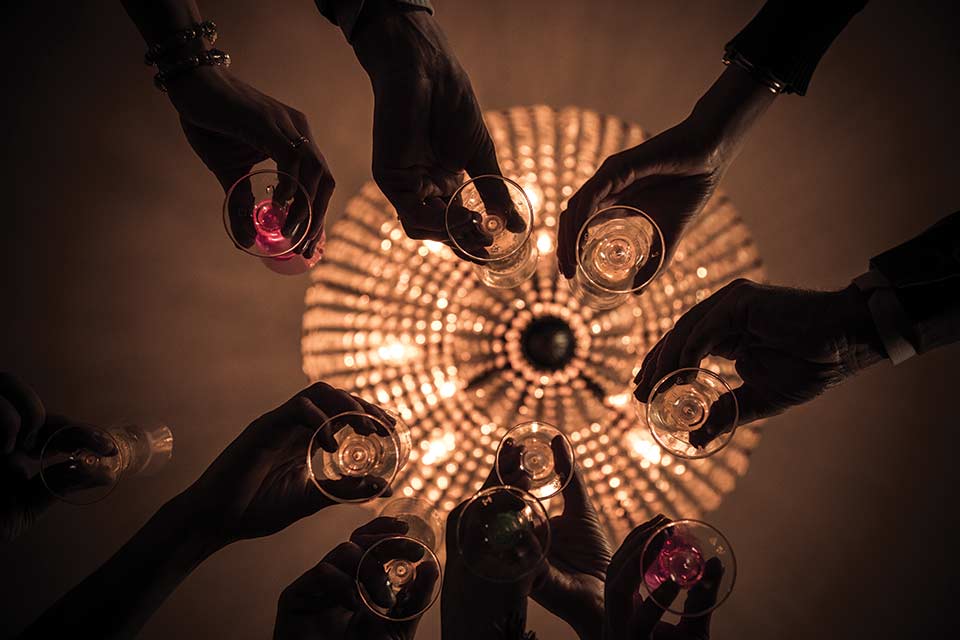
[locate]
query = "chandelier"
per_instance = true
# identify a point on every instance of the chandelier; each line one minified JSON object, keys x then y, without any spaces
{"x":406,"y":324}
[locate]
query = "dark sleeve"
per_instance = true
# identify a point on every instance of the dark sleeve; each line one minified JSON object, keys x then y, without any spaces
{"x":925,"y":276}
{"x":346,"y":13}
{"x":788,"y":37}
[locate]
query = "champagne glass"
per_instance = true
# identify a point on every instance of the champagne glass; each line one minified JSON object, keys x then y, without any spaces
{"x":399,"y":577}
{"x":528,"y":458}
{"x":267,"y":214}
{"x":686,"y":406}
{"x":354,"y":456}
{"x":489,"y":220}
{"x":699,"y":562}
{"x":619,"y":252}
{"x":81,"y":463}
{"x":503,"y":534}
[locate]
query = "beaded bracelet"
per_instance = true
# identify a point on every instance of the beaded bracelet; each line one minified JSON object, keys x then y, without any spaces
{"x":206,"y":29}
{"x":212,"y":58}
{"x":762,"y":76}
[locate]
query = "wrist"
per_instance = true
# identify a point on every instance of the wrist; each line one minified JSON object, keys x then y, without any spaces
{"x":730,"y":108}
{"x":394,"y":36}
{"x":863,"y":345}
{"x":196,"y":530}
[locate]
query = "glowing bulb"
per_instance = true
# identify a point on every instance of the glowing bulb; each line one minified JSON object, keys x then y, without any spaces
{"x":544,"y":242}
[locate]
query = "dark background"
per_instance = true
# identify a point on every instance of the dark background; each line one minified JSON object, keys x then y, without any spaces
{"x":123,"y":299}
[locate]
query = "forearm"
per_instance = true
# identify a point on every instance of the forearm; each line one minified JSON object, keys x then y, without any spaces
{"x":156,"y":20}
{"x":119,"y":597}
{"x":730,"y":108}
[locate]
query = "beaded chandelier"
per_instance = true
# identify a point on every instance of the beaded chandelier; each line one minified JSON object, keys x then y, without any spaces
{"x":406,"y":324}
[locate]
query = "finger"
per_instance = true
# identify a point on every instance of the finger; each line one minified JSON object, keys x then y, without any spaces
{"x":628,"y":553}
{"x":644,"y":379}
{"x":361,"y":489}
{"x":327,"y":583}
{"x":315,"y":177}
{"x":345,"y":556}
{"x":321,"y":202}
{"x":508,"y":466}
{"x":668,"y":359}
{"x":398,"y":549}
{"x":28,"y":407}
{"x":381,"y":526}
{"x":419,"y":595}
{"x":702,"y":597}
{"x":375,"y":584}
{"x":383,"y":415}
{"x":648,"y":613}
{"x":69,"y":437}
{"x":722,"y":418}
{"x":574,"y":492}
{"x":580,"y":207}
{"x":423,"y":219}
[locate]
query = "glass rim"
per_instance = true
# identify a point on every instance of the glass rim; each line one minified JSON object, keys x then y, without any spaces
{"x":102,"y":430}
{"x":528,"y":220}
{"x":549,"y":425}
{"x":732,"y":567}
{"x":659,"y":234}
{"x":436,"y":594}
{"x":526,"y":496}
{"x":710,"y":374}
{"x":226,"y":214}
{"x":429,"y":507}
{"x":310,"y":448}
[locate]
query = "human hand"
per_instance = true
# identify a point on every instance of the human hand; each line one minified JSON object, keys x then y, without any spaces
{"x":471,"y":607}
{"x":571,"y":583}
{"x":232,"y":126}
{"x":428,"y":127}
{"x":628,"y":615}
{"x":789,"y":346}
{"x":671,"y":176}
{"x":260,"y":484}
{"x":324,"y":602}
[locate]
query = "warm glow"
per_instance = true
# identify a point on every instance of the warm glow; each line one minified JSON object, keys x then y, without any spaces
{"x":409,"y":326}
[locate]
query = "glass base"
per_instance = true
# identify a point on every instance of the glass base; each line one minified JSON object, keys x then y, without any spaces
{"x":592,"y":297}
{"x":514,"y":276}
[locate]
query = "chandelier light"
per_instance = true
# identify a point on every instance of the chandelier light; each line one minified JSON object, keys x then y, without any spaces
{"x":406,"y":324}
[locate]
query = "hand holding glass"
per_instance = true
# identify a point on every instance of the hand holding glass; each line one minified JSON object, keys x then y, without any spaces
{"x":528,"y":458}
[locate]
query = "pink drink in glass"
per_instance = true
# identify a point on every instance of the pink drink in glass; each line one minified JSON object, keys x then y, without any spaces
{"x":679,"y":560}
{"x":268,"y":218}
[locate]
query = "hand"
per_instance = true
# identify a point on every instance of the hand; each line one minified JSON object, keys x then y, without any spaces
{"x":260,"y":484}
{"x":232,"y":126}
{"x":789,"y":346}
{"x":324,"y":602}
{"x":671,"y":176}
{"x":427,"y":124}
{"x":571,"y":584}
{"x":22,"y":498}
{"x":472,"y":608}
{"x":627,"y":615}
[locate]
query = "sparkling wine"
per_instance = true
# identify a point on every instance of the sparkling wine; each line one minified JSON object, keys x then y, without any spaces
{"x":615,"y":250}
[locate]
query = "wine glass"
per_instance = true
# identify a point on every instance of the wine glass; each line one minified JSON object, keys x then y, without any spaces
{"x":619,"y":251}
{"x":399,"y":577}
{"x":354,"y":456}
{"x":699,"y":562}
{"x":267,"y":214}
{"x":489,"y":220}
{"x":527,"y":458}
{"x":81,"y":464}
{"x":686,"y":406}
{"x":503,"y":534}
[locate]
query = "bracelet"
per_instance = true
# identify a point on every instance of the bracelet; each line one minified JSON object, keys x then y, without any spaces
{"x":762,"y":76}
{"x":206,"y":30}
{"x":211,"y":58}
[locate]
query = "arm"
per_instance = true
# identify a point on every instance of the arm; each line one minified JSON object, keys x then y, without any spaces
{"x":117,"y":599}
{"x":673,"y":175}
{"x":229,"y":124}
{"x":257,"y":486}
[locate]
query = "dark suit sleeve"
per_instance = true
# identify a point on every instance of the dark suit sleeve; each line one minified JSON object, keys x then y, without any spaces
{"x":346,"y":13}
{"x":924,"y":274}
{"x":788,"y":37}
